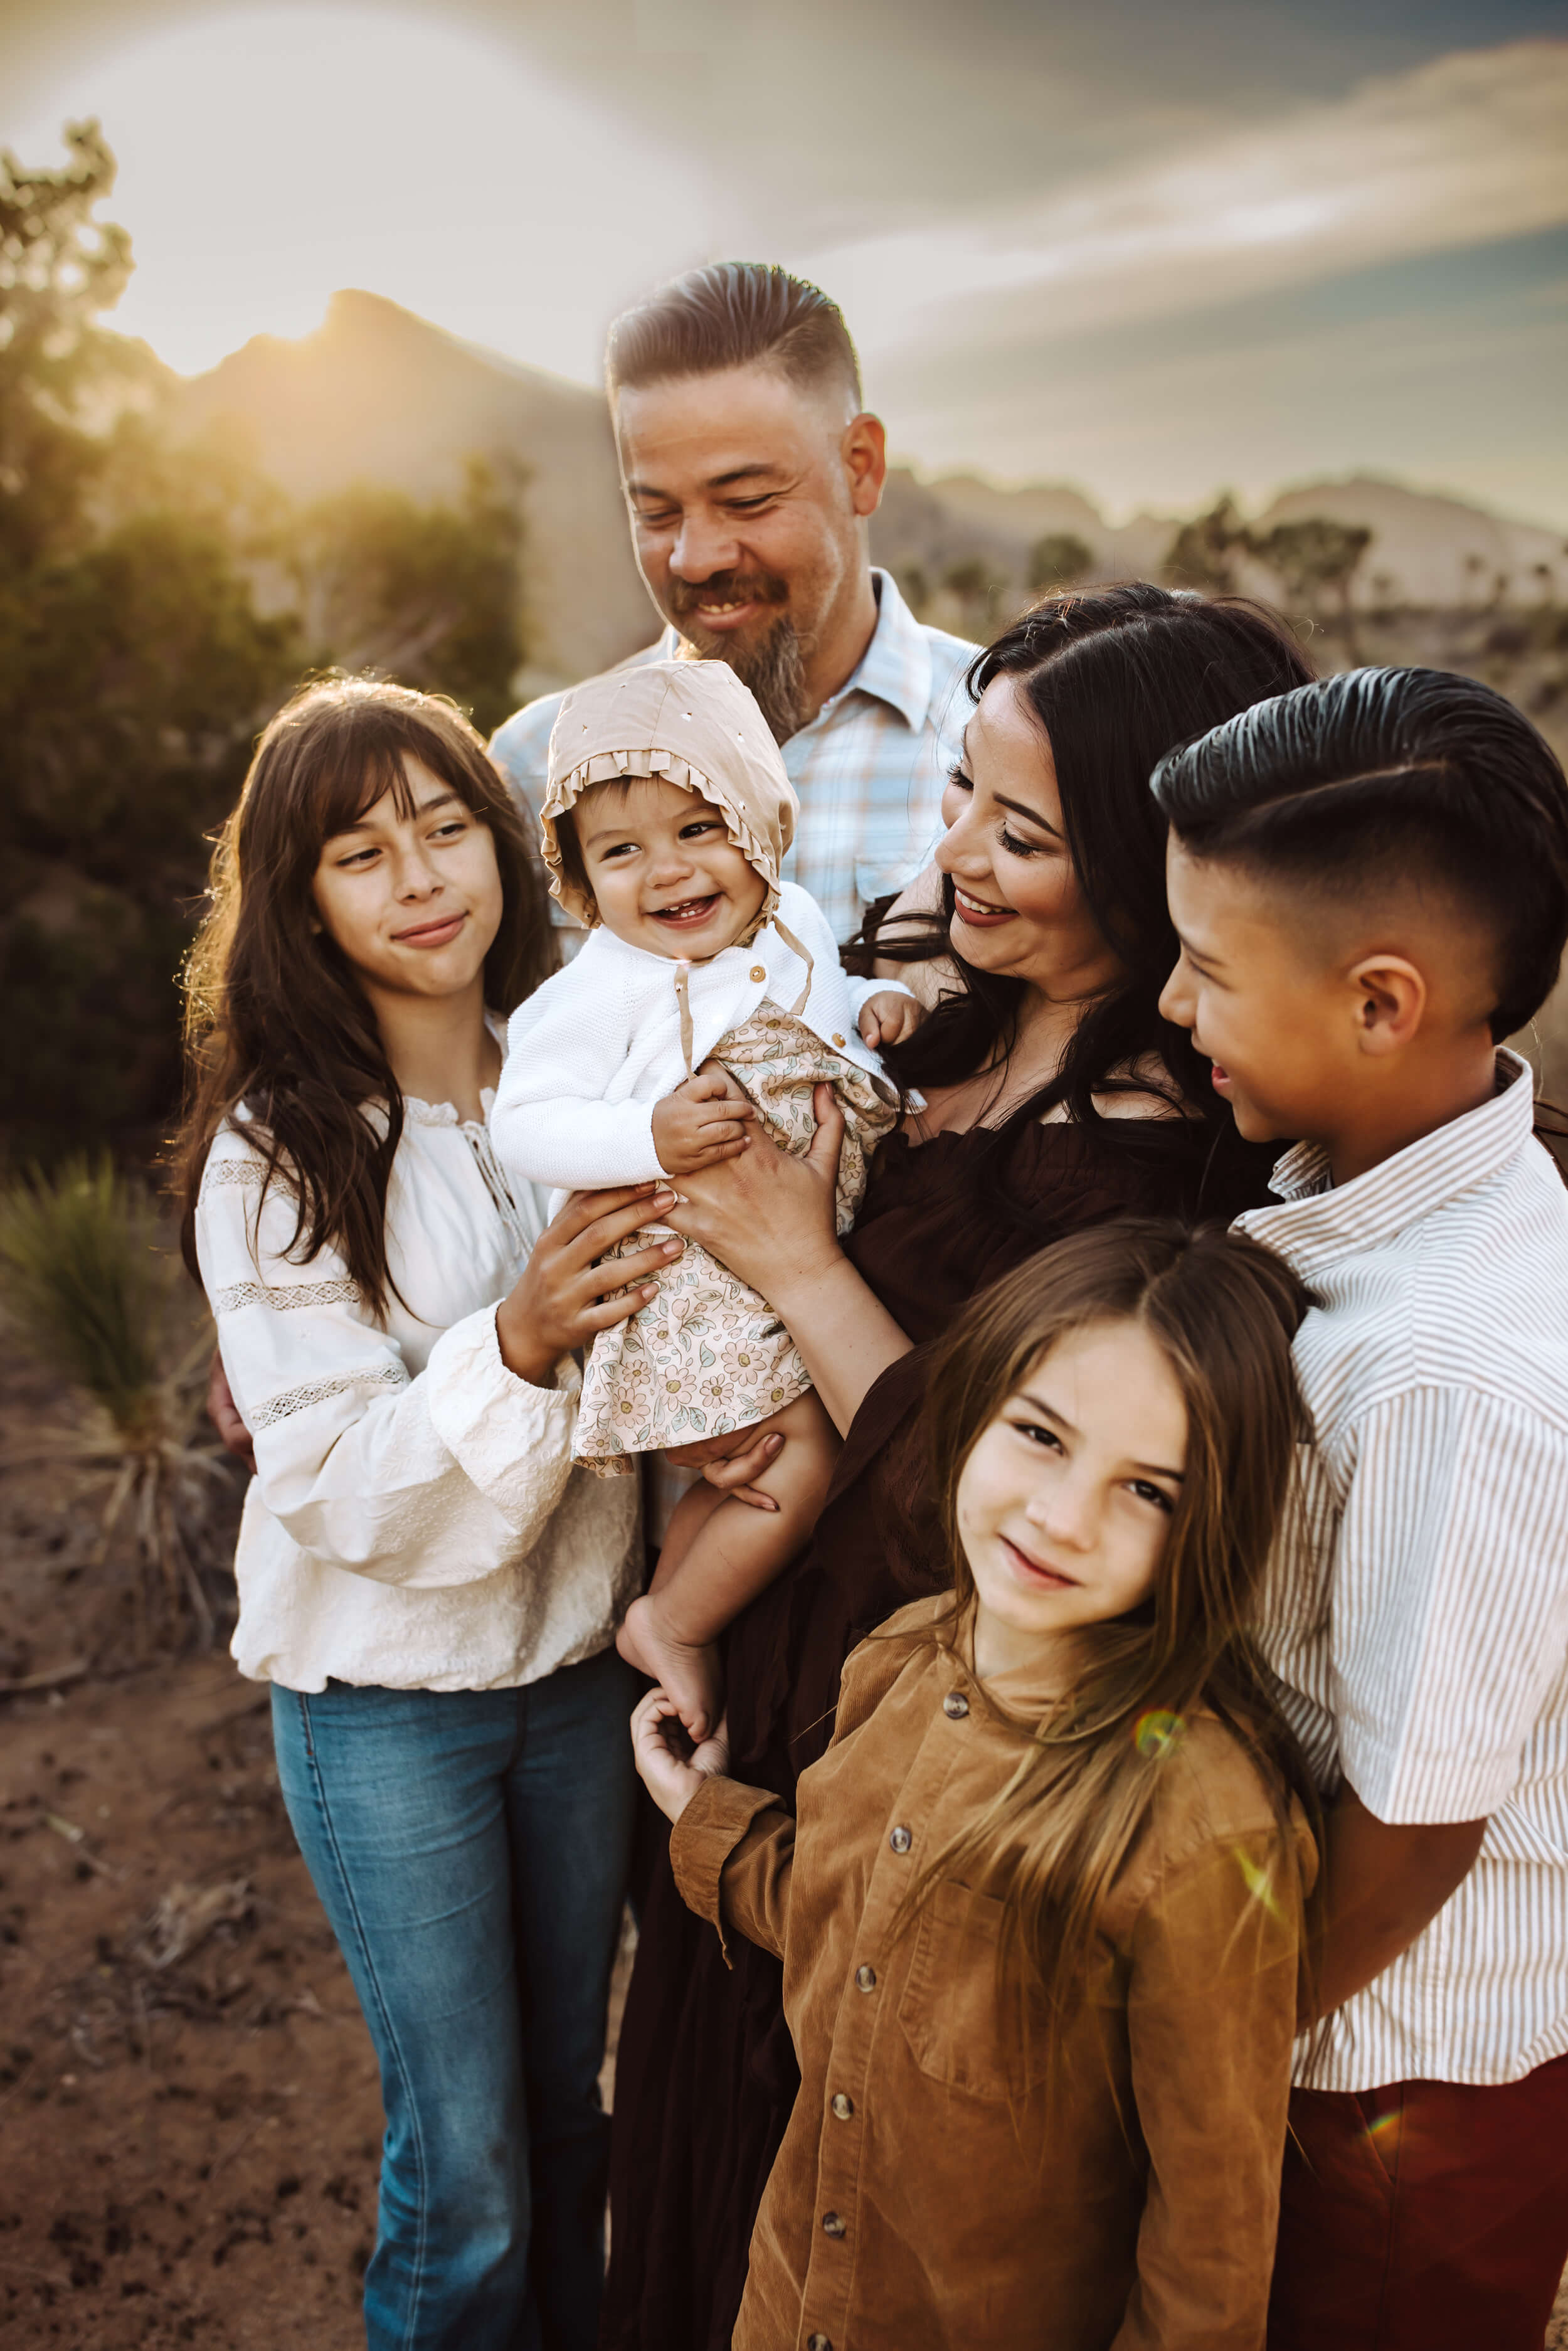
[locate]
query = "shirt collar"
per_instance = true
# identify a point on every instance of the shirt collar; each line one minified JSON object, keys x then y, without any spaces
{"x":895,"y":667}
{"x":1320,"y":1223}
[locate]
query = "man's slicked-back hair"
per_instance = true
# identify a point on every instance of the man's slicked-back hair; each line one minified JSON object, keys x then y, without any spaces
{"x":733,"y":314}
{"x":1383,"y":776}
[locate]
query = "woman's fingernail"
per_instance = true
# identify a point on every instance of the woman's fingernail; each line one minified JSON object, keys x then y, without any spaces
{"x":672,"y":1248}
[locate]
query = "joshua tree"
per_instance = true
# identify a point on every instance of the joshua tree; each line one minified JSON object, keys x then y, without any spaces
{"x":1203,"y":553}
{"x":977,"y":588}
{"x":1058,"y":561}
{"x":1315,"y":557}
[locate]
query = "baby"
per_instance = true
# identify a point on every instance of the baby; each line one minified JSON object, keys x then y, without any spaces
{"x":667,"y":815}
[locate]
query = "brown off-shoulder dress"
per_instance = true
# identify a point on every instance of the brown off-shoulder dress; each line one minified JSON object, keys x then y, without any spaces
{"x":706,"y":2074}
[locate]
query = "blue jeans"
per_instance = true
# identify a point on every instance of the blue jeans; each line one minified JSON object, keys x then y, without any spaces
{"x":470,"y":1848}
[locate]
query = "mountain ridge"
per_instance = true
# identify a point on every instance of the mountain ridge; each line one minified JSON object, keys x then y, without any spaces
{"x":378,"y":393}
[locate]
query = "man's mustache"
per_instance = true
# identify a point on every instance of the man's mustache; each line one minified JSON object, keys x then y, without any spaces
{"x":728,"y":587}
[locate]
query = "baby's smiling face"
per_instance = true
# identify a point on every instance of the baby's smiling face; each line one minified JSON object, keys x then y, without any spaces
{"x":663,"y":871}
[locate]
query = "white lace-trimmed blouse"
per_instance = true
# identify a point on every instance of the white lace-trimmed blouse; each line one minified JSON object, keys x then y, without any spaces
{"x":415,"y":1520}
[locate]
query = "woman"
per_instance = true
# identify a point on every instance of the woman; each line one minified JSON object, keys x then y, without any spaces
{"x":428,"y":1586}
{"x":1055,"y":1097}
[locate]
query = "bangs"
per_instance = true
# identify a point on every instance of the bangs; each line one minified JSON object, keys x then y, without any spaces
{"x":348,"y":756}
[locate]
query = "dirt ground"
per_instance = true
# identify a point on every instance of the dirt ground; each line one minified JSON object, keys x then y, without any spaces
{"x":190,"y":2122}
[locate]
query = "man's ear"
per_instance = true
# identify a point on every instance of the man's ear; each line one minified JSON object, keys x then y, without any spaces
{"x":864,"y":451}
{"x":1391,"y":995}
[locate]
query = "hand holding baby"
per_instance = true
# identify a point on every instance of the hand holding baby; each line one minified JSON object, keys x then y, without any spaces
{"x":703,"y":1122}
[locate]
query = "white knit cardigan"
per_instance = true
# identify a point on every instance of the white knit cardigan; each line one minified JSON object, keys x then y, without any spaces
{"x":594,"y":1048}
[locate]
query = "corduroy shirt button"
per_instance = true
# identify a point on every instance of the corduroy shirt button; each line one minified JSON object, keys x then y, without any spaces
{"x":901,"y":1838}
{"x":818,"y":2342}
{"x":865,"y":1979}
{"x":833,"y":2226}
{"x":758,"y":973}
{"x":842,"y":2106}
{"x":956,"y":1705}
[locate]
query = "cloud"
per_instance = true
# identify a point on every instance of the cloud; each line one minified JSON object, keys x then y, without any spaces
{"x":1462,"y":150}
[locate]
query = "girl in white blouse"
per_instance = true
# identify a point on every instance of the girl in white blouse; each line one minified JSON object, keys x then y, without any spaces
{"x":429,"y":1586}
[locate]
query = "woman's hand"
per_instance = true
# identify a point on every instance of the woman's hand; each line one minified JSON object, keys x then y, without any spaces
{"x":772,"y":1219}
{"x":729,"y":1463}
{"x":563,"y":1299}
{"x":767,"y":1216}
{"x":668,"y":1766}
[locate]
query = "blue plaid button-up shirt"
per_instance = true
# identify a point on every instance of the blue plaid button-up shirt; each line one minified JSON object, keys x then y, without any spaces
{"x":869,"y":769}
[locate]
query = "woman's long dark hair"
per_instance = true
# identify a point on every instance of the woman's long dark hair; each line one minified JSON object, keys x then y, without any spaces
{"x":274,"y":1019}
{"x":1115,"y":678}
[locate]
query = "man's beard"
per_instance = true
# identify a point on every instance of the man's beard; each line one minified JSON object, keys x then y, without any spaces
{"x":772,"y":665}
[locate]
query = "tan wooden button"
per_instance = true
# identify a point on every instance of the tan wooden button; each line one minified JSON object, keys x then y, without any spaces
{"x":837,"y":1039}
{"x":757,"y":972}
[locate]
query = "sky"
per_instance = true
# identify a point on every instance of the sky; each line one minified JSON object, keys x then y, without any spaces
{"x":1152,"y":247}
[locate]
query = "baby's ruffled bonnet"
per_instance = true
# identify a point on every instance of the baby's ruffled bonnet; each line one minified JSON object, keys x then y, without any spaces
{"x":691,"y":721}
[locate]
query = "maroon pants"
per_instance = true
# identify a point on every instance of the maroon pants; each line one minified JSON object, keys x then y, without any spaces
{"x":1429,"y":2216}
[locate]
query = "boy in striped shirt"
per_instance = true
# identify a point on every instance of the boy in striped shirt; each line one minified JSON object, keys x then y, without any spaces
{"x":1369,"y":879}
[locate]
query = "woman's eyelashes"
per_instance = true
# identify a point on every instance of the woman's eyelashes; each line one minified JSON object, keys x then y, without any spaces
{"x":1015,"y":847}
{"x":1146,"y":1492}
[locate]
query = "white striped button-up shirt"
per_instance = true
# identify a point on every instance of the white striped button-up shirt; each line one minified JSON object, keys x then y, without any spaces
{"x":1416,"y":1611}
{"x":869,"y":769}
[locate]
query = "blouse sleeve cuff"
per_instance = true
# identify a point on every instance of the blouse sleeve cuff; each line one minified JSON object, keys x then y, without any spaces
{"x":719,"y":1817}
{"x":511,"y":1440}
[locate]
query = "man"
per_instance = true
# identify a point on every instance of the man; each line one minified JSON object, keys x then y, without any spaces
{"x":751,"y":472}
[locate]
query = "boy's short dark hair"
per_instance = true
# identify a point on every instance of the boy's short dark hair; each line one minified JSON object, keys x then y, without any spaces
{"x":1380,"y":777}
{"x":733,"y":314}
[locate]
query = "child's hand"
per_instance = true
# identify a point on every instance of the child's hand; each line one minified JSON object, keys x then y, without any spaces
{"x":569,"y":1291}
{"x":887,"y":1017}
{"x":664,"y":1755}
{"x":700,"y":1123}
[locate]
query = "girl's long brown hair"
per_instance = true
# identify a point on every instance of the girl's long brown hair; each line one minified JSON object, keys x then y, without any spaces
{"x":1223,"y":1310}
{"x":274,"y":1019}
